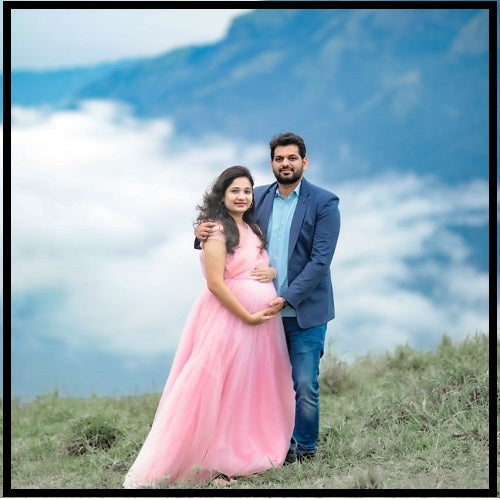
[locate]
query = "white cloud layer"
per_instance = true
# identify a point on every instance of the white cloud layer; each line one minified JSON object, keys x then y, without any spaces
{"x":400,"y":273}
{"x":102,"y":212}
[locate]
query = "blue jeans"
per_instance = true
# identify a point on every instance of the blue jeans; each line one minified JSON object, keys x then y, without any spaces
{"x":305,"y":348}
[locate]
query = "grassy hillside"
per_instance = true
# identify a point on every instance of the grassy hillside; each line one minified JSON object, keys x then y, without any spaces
{"x":405,"y":419}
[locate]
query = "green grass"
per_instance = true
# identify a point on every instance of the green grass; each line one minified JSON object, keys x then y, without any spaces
{"x":405,"y":419}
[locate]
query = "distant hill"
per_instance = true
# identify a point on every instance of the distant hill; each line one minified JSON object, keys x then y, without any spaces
{"x":57,"y":88}
{"x":370,"y":90}
{"x":402,"y":89}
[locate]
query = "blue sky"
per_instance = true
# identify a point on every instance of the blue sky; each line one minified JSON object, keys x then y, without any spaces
{"x":55,"y":38}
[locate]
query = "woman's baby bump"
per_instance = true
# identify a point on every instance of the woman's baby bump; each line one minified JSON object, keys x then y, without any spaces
{"x":253,"y":294}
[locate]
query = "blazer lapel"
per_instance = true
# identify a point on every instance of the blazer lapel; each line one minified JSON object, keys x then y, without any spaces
{"x":298,"y":216}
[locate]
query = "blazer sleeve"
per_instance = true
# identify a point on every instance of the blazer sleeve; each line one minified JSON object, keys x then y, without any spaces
{"x":325,"y":236}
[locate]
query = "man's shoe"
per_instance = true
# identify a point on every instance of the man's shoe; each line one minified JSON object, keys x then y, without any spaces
{"x":292,"y":457}
{"x":308,"y":455}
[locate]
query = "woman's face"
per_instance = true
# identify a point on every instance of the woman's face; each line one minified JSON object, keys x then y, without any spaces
{"x":238,"y":196}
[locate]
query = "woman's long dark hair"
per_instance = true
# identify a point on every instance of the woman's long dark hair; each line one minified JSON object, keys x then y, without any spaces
{"x":213,"y":208}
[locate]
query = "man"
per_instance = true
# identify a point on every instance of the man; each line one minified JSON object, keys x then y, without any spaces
{"x":302,"y":223}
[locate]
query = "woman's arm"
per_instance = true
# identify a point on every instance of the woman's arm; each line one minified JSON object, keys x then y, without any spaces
{"x":215,"y":258}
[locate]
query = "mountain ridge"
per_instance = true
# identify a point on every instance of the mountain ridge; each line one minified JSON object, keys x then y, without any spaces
{"x":322,"y":79}
{"x":394,"y":88}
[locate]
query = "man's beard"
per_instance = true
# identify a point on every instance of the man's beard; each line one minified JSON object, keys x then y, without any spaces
{"x":290,"y":179}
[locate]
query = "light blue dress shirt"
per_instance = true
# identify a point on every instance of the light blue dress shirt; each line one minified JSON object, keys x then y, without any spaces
{"x":278,"y":234}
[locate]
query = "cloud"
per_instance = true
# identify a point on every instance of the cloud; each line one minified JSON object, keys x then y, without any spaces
{"x":102,"y":212}
{"x":401,"y":272}
{"x":102,"y":240}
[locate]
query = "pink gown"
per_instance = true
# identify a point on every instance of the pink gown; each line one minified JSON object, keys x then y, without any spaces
{"x":228,"y":404}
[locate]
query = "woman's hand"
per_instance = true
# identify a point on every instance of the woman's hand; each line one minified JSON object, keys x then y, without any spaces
{"x":264,"y":274}
{"x":204,"y":230}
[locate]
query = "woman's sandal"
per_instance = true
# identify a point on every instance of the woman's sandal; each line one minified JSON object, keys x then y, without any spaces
{"x":222,"y":480}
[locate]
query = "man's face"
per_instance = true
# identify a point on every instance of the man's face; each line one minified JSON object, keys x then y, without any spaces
{"x":288,"y":167}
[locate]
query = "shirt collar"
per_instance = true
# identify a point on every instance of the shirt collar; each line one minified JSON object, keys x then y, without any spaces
{"x":296,"y":191}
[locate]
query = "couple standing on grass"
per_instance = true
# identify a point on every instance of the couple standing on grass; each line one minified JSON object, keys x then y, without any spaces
{"x":242,"y":395}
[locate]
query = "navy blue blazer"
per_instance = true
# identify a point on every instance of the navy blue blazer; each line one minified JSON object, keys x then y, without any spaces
{"x":313,"y":238}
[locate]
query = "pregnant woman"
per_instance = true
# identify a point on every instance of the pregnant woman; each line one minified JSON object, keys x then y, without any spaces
{"x":228,"y":404}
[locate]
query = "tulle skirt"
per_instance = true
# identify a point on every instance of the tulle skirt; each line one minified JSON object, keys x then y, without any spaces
{"x":228,"y":403}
